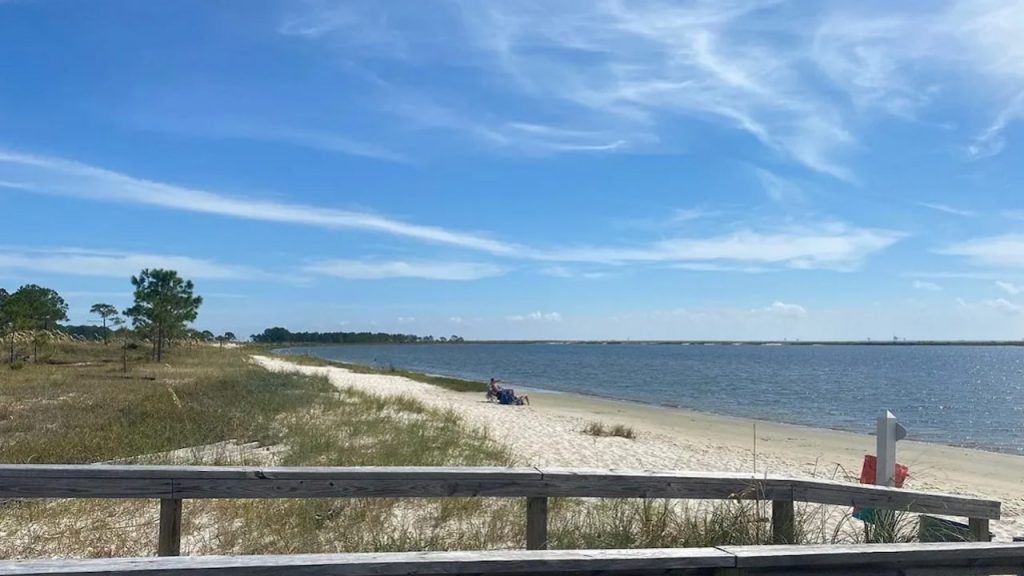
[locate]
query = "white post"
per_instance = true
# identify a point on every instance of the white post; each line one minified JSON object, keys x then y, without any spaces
{"x":885,"y":451}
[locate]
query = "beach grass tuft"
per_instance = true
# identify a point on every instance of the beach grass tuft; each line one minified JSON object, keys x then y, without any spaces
{"x":600,"y":429}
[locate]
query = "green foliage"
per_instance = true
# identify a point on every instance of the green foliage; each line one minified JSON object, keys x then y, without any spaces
{"x":107,"y":313}
{"x":86,"y":331}
{"x":104,"y":311}
{"x":278,"y":335}
{"x":33,"y":307}
{"x":164,"y":306}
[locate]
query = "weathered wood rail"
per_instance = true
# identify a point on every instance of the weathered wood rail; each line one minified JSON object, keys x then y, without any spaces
{"x":173,"y":484}
{"x":860,"y":560}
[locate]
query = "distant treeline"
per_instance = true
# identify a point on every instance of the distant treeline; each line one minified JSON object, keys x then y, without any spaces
{"x":278,"y":335}
{"x":86,"y":332}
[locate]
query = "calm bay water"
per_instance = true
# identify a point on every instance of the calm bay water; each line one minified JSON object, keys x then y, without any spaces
{"x":961,"y":395}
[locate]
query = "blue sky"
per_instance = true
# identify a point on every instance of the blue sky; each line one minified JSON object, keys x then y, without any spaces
{"x":727,"y":169}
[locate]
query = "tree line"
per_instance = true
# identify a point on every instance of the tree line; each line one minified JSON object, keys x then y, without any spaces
{"x":164,"y":306}
{"x":278,"y":335}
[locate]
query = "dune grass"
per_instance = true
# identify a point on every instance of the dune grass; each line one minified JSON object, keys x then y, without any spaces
{"x":80,"y":408}
{"x":599,"y":429}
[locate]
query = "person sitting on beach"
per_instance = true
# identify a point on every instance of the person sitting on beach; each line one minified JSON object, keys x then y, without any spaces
{"x":508,"y":396}
{"x":492,"y":390}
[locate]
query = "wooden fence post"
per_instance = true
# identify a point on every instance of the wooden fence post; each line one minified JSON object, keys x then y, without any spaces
{"x":979,"y":529}
{"x":169,"y":542}
{"x":783,"y":522}
{"x":537,"y":523}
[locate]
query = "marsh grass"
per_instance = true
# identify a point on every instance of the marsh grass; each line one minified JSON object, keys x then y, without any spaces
{"x":599,"y":429}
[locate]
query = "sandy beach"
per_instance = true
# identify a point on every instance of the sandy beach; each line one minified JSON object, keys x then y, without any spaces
{"x":549,"y":433}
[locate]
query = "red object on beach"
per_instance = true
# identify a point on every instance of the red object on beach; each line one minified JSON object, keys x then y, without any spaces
{"x":868,"y":474}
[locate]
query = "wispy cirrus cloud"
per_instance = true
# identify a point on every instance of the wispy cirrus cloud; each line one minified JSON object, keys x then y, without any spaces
{"x":803,"y":83}
{"x":430,"y":270}
{"x":119,"y":264}
{"x":224,"y":126}
{"x":835,"y":245}
{"x":1005,"y":251}
{"x":1009,"y":287}
{"x":947,"y":209}
{"x":777,"y":188}
{"x":69,"y":178}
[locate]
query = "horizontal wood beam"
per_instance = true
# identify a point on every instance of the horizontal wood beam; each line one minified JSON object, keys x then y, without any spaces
{"x":184,"y":482}
{"x":386,"y":564}
{"x":951,"y":558}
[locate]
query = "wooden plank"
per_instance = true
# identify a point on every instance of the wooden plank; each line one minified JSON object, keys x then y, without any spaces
{"x":959,"y":558}
{"x":536,"y":523}
{"x":979,"y":529}
{"x":388,"y":564}
{"x":169,"y":539}
{"x":783,"y":522}
{"x":869,"y":496}
{"x":91,"y":481}
{"x":920,"y":555}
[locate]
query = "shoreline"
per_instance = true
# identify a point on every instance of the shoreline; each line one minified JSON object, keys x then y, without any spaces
{"x":549,"y":432}
{"x":282,"y":352}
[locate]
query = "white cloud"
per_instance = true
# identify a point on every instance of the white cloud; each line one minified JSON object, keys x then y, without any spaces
{"x":835,"y":245}
{"x":1009,"y":288}
{"x":405,"y":319}
{"x":999,"y":305}
{"x":831,"y":246}
{"x":565,"y":272}
{"x":898,"y":60}
{"x":948,"y":209}
{"x":536,"y":316}
{"x":991,"y":141}
{"x":777,"y":188}
{"x":798,"y":81}
{"x":14,"y":185}
{"x":375,"y":270}
{"x":68,"y":178}
{"x":787,"y":310}
{"x":117,"y":264}
{"x":712,"y":267}
{"x":688,"y":214}
{"x":312,"y":139}
{"x":926,"y":286}
{"x":1006,"y":251}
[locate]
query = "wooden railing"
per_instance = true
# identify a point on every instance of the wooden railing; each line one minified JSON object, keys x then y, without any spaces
{"x":867,"y":559}
{"x":173,"y":484}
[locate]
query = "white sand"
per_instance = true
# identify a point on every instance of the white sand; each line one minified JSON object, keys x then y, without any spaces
{"x":548,"y":433}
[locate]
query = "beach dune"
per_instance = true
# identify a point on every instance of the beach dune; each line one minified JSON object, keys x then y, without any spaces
{"x":549,"y":432}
